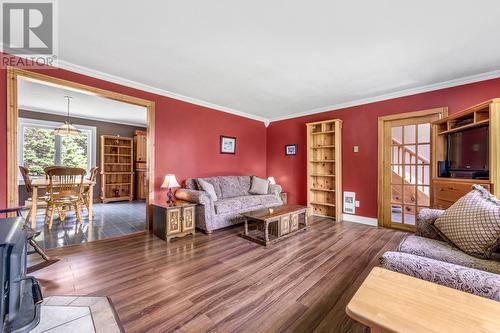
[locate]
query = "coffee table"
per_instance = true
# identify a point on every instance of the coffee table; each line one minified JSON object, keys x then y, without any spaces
{"x":275,"y":223}
{"x":393,"y":302}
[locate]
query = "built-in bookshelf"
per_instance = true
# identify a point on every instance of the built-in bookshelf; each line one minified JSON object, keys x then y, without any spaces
{"x":117,"y":173}
{"x":324,"y":168}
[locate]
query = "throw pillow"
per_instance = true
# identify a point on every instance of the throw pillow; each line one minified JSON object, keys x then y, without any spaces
{"x":209,"y":188}
{"x":259,"y":186}
{"x":472,"y":223}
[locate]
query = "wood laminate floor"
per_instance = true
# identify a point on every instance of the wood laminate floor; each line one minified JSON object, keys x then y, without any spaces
{"x":223,"y":283}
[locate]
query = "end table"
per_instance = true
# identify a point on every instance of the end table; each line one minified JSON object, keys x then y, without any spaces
{"x":173,"y":220}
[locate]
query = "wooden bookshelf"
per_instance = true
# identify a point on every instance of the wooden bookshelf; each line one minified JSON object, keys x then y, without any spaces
{"x":117,"y":173}
{"x":324,"y":168}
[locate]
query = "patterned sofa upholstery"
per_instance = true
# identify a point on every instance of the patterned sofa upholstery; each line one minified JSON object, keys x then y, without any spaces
{"x":427,"y":256}
{"x":233,"y":199}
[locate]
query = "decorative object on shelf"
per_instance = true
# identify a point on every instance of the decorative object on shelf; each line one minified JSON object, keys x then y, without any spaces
{"x":272,"y":181}
{"x":170,"y":182}
{"x":227,"y":145}
{"x":290,"y":149}
{"x":324,"y":168}
{"x":67,"y":129}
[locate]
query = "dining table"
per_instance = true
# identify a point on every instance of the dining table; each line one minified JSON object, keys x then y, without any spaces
{"x":43,"y":183}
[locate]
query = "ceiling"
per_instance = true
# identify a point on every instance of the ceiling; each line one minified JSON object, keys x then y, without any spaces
{"x":39,"y":97}
{"x":271,"y":60}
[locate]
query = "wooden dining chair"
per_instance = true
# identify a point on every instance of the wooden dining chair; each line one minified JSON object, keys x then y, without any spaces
{"x":64,"y":191}
{"x":41,"y":201}
{"x":86,"y":191}
{"x":30,"y":233}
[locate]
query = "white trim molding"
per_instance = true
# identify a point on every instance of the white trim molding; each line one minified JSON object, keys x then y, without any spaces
{"x":360,"y":219}
{"x":401,"y":93}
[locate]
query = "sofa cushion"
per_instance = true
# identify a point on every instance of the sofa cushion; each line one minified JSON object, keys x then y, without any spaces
{"x":227,"y":205}
{"x":249,"y":201}
{"x":466,"y":279}
{"x":259,"y":185}
{"x":209,"y":188}
{"x":216,"y":184}
{"x":234,"y":186}
{"x":472,"y":223}
{"x":443,"y":251}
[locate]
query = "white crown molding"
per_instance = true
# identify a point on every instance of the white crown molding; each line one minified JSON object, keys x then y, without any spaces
{"x":360,"y":219}
{"x":133,"y":84}
{"x":397,"y":94}
{"x":48,"y":111}
{"x":402,"y":93}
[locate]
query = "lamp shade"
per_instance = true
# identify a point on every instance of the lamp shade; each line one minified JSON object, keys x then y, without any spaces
{"x":170,"y":182}
{"x":271,"y":180}
{"x":67,"y":129}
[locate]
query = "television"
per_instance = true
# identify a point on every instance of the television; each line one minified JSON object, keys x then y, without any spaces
{"x":468,"y":153}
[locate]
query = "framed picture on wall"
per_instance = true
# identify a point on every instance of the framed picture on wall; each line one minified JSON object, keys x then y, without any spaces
{"x":227,"y":145}
{"x":291,"y":150}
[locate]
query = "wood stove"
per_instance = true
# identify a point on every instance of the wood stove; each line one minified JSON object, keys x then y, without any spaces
{"x":21,"y":297}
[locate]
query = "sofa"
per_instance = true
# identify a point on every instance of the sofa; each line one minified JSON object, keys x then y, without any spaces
{"x":426,"y":255}
{"x":233,"y":198}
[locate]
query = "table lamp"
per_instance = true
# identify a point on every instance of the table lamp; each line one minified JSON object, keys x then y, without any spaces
{"x":271,"y":180}
{"x":170,"y":182}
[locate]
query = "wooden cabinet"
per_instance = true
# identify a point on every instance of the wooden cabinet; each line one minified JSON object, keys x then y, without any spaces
{"x":117,"y":174}
{"x":141,"y":146}
{"x":176,"y":220}
{"x":447,"y":192}
{"x":140,"y":158}
{"x":324,"y":168}
{"x":141,"y":187}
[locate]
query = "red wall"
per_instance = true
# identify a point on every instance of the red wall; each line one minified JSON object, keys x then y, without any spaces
{"x":359,"y":128}
{"x":187,"y":135}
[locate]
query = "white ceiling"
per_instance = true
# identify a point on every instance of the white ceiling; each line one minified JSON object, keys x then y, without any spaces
{"x":273,"y":59}
{"x":38,"y":97}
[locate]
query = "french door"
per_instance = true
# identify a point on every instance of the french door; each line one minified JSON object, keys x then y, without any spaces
{"x":405,"y":148}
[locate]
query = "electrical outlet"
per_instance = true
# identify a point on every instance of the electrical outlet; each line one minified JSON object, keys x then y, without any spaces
{"x":357,"y":203}
{"x":356,"y":149}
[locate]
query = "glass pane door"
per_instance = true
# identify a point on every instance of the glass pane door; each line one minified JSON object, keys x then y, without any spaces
{"x":410,"y":179}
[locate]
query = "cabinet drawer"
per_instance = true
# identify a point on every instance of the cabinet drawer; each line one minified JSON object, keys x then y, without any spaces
{"x":447,"y":193}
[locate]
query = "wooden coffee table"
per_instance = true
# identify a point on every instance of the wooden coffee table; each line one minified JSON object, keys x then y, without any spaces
{"x":275,"y":223}
{"x":393,"y":302}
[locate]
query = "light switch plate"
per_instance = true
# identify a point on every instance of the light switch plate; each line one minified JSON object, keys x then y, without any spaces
{"x":357,"y":203}
{"x":356,"y":149}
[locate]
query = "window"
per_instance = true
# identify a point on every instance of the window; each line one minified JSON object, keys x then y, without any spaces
{"x":39,"y":147}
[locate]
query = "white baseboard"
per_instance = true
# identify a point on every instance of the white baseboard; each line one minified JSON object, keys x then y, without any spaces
{"x":360,"y":219}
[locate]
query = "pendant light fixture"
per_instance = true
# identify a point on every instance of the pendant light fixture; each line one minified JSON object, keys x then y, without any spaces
{"x":67,"y":129}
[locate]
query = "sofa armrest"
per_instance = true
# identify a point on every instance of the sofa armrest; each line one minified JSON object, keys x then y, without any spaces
{"x":466,"y":279}
{"x":425,"y":223}
{"x":274,"y":189}
{"x":200,"y":197}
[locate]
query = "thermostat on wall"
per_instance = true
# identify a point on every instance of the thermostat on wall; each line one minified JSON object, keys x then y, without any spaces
{"x":350,"y":202}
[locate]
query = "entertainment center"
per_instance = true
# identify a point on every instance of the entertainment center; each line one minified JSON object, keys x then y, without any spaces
{"x":466,"y":146}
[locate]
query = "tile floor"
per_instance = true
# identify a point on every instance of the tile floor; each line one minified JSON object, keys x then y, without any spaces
{"x":77,"y":315}
{"x":110,"y":220}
